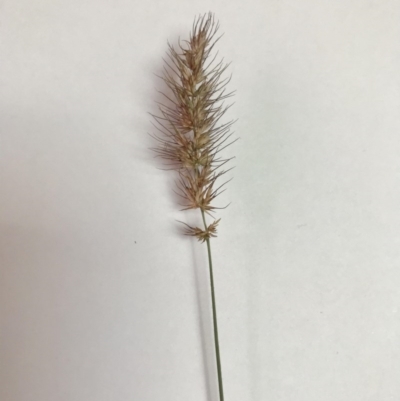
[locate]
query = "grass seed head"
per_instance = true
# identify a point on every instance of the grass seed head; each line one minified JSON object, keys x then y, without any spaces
{"x":190,"y":136}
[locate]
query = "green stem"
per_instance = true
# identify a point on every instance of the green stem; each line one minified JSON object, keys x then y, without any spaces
{"x":214,"y":309}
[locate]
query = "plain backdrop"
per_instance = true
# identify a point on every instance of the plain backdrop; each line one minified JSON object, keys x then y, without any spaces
{"x":102,"y":298}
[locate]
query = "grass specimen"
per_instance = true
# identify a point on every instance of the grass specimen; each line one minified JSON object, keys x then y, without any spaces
{"x":190,"y":136}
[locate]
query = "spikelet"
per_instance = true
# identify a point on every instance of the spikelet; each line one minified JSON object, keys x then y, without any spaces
{"x":189,"y":136}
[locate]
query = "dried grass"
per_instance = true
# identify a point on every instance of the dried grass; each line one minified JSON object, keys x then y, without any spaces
{"x":189,"y":135}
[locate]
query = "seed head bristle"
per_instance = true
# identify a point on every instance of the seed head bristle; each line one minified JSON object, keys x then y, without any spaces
{"x":189,"y":135}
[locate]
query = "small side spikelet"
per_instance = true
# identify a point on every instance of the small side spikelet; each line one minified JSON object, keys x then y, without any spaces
{"x":189,"y":136}
{"x":203,"y":235}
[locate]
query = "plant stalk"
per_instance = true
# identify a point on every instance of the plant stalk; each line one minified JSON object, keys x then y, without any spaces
{"x":214,"y":309}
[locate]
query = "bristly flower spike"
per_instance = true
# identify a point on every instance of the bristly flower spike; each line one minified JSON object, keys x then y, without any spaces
{"x":189,"y":135}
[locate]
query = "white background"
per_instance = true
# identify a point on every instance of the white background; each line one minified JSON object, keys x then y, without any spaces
{"x":101,"y":298}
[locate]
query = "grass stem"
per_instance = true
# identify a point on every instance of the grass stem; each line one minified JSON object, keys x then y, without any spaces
{"x":214,"y":310}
